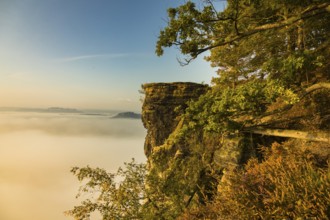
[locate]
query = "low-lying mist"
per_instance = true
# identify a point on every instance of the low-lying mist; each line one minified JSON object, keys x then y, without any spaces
{"x":70,"y":124}
{"x":37,"y":151}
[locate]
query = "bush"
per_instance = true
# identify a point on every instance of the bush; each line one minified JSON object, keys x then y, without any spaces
{"x":286,"y":185}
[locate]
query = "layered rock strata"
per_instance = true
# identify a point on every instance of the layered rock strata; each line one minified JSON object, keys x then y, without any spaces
{"x":163,"y":103}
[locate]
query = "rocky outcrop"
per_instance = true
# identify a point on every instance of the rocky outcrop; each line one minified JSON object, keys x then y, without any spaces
{"x":163,"y":103}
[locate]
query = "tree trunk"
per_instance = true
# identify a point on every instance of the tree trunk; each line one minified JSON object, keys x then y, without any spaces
{"x":321,"y":85}
{"x":309,"y":136}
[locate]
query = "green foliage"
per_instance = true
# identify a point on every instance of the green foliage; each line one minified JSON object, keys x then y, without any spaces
{"x":118,"y":195}
{"x":220,"y":109}
{"x":283,"y":40}
{"x":187,"y":21}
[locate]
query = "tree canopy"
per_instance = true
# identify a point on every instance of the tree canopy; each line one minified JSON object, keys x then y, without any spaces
{"x":286,"y":40}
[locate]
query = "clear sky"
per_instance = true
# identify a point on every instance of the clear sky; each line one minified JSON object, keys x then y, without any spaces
{"x":85,"y":53}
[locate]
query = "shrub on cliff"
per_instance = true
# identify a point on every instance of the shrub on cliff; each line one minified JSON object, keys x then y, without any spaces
{"x":287,"y":184}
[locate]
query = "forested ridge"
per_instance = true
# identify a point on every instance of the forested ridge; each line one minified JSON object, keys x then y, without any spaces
{"x":256,"y":143}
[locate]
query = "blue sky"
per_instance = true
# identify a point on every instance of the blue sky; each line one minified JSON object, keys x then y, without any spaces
{"x":85,"y":53}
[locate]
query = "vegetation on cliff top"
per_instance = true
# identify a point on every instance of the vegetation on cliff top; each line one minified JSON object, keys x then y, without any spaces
{"x":273,"y":73}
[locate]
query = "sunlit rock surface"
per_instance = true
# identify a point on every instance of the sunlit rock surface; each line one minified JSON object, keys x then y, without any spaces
{"x":163,"y":102}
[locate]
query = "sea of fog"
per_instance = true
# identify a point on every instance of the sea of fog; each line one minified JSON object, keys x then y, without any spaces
{"x":38,"y":149}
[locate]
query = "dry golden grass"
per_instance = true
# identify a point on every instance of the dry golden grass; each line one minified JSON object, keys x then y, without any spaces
{"x":288,"y":184}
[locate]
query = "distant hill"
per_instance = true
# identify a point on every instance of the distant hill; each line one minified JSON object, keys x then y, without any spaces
{"x":62,"y":110}
{"x":128,"y":115}
{"x":16,"y":109}
{"x":41,"y":110}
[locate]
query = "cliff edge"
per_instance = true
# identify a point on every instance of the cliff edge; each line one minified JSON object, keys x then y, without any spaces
{"x":163,"y":102}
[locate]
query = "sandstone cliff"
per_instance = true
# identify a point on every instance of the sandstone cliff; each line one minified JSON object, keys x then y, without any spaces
{"x":163,"y":102}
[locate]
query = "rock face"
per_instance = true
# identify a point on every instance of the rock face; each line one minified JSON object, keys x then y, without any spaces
{"x":159,"y":114}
